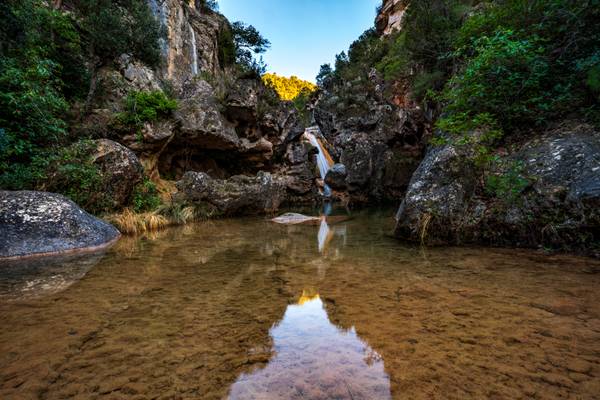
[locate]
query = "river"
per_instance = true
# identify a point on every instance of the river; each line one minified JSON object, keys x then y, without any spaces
{"x":248,"y":309}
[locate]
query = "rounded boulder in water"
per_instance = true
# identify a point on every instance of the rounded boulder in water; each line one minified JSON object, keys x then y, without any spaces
{"x":336,"y":177}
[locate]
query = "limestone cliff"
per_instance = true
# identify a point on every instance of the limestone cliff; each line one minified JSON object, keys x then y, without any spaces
{"x":390,"y":15}
{"x":226,"y":124}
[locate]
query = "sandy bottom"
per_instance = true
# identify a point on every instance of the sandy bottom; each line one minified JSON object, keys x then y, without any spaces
{"x":249,"y":309}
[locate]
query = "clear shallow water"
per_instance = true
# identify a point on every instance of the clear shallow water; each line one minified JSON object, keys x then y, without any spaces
{"x":247,"y":309}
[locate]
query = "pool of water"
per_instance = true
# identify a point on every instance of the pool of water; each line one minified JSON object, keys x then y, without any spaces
{"x":248,"y":309}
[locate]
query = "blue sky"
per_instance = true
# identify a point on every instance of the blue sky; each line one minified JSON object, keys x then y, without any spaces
{"x":304,"y":33}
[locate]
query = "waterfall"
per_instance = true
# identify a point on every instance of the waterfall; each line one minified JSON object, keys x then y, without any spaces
{"x":324,"y":160}
{"x":194,"y":52}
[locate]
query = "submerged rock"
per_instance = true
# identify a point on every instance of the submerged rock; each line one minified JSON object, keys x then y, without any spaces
{"x":553,"y":197}
{"x":39,"y":223}
{"x":294,"y":219}
{"x":239,"y":194}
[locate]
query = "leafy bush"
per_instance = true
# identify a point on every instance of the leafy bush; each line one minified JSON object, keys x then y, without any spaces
{"x":508,"y":185}
{"x":116,"y":27}
{"x":508,"y":78}
{"x":145,"y":197}
{"x":71,"y":171}
{"x":142,"y":107}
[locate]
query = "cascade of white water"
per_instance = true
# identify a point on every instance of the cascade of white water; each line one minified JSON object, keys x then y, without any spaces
{"x":323,"y":161}
{"x":194,"y":52}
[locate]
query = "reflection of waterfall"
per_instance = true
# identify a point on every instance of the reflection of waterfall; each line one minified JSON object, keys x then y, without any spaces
{"x":194,"y":52}
{"x":324,"y":160}
{"x":324,"y":235}
{"x":315,"y":359}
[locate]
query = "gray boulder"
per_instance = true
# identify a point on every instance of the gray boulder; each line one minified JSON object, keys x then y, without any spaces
{"x":556,"y":203}
{"x":336,"y":177}
{"x":240,"y":194}
{"x":39,"y":223}
{"x":120,"y":169}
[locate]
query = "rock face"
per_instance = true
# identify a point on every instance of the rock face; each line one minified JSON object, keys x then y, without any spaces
{"x":224,"y":125}
{"x":379,"y":143}
{"x":37,"y":223}
{"x":551,"y":195}
{"x":121,"y":171}
{"x":390,"y":16}
{"x":263,"y":193}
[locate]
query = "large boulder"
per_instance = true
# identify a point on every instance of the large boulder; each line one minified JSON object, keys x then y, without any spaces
{"x":549,"y":194}
{"x":240,"y":194}
{"x":39,"y":223}
{"x":120,"y":169}
{"x":336,"y":177}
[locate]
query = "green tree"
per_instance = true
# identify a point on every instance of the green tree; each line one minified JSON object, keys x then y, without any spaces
{"x":249,"y":44}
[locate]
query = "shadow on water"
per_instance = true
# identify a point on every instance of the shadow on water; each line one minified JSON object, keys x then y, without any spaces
{"x":215,"y":310}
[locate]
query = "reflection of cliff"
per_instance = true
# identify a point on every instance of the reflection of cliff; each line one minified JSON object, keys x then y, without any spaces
{"x":157,"y":322}
{"x":314,"y":359}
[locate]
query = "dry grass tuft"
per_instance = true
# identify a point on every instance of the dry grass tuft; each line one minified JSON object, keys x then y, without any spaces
{"x":131,"y":223}
{"x":424,"y":226}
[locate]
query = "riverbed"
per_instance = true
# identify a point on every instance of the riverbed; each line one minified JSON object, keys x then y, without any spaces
{"x":248,"y":309}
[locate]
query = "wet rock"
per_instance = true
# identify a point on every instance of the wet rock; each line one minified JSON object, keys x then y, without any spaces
{"x":557,"y":207}
{"x":336,"y":177}
{"x":120,"y":169}
{"x":294,"y":218}
{"x":239,"y":194}
{"x":36,"y":223}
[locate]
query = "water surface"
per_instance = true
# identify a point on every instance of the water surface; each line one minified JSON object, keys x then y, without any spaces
{"x":248,"y":309}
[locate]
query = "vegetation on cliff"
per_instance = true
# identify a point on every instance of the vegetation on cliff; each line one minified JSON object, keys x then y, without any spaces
{"x":47,"y":61}
{"x":288,"y":88}
{"x":517,"y":62}
{"x":54,"y":60}
{"x":487,"y":73}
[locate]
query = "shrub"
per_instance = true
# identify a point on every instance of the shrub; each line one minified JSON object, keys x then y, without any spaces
{"x":142,"y":107}
{"x":71,"y":171}
{"x":508,"y":78}
{"x":508,"y":185}
{"x":145,"y":197}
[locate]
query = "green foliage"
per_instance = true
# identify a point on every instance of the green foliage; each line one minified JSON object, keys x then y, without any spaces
{"x":324,"y":76}
{"x":142,"y":107}
{"x":507,"y":185}
{"x":301,"y":102}
{"x":248,"y":44}
{"x":226,"y":47}
{"x":71,"y":171}
{"x":44,"y":54}
{"x":114,"y":27}
{"x":508,"y":78}
{"x":288,"y":88}
{"x":145,"y":197}
{"x":209,"y":5}
{"x":527,"y":62}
